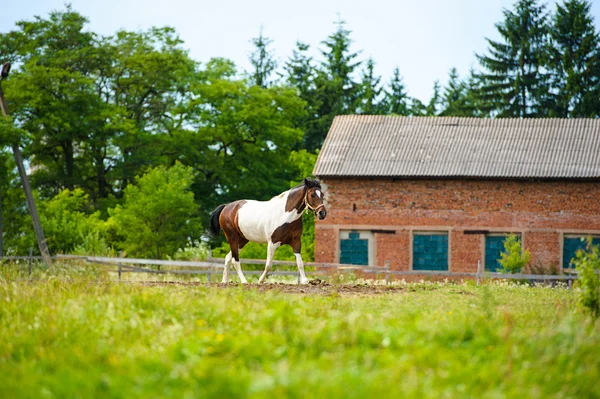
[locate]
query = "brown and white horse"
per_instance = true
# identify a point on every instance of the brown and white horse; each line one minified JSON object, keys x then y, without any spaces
{"x":275,"y":222}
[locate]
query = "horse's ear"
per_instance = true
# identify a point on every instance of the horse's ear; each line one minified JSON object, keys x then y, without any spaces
{"x":306,"y":181}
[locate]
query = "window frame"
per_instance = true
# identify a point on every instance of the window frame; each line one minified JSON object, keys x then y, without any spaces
{"x":364,"y":235}
{"x":430,"y":233}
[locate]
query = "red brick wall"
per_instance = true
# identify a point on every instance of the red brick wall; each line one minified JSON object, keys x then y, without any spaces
{"x":386,"y":248}
{"x":540,"y":211}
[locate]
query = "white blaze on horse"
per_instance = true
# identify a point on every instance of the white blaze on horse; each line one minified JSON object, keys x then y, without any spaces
{"x":275,"y":222}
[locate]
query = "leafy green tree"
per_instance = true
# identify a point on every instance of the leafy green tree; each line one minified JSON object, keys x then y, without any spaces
{"x":370,"y":91}
{"x":575,"y":61}
{"x":159,"y":214}
{"x":149,"y":89}
{"x":514,"y":83}
{"x":513,"y":259}
{"x":98,"y":110}
{"x":396,"y":99}
{"x":51,"y":92}
{"x":262,"y":61}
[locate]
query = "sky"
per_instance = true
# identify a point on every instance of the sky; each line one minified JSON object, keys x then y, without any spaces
{"x":423,"y":38}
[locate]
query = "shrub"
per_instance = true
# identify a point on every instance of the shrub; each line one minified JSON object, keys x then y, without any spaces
{"x":587,"y":264}
{"x":159,"y":214}
{"x":65,"y":222}
{"x":193,"y":250}
{"x":513,"y":259}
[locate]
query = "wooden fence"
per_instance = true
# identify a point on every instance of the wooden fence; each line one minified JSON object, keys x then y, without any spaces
{"x":214,"y":266}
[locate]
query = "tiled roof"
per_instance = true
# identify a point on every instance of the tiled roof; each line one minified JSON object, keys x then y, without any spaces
{"x":397,"y":146}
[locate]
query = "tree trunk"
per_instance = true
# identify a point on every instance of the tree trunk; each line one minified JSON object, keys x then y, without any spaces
{"x":67,"y":147}
{"x":1,"y":231}
{"x":37,"y":226}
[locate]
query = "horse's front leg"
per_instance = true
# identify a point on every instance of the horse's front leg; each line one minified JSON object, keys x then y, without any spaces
{"x":303,"y":279}
{"x":297,"y":246}
{"x":271,"y":247}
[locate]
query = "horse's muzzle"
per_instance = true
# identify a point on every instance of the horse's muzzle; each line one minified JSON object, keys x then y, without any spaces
{"x":322,"y":214}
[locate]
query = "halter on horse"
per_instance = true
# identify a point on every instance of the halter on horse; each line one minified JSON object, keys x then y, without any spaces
{"x":275,"y":222}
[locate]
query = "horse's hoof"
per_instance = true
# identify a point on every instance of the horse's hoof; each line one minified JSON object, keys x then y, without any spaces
{"x":304,"y":281}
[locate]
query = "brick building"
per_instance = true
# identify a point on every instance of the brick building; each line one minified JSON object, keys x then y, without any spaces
{"x":435,"y":193}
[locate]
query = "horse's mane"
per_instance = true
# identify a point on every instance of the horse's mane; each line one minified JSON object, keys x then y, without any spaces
{"x":309,"y":183}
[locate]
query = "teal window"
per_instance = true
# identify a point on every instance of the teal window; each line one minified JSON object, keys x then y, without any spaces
{"x":354,"y":250}
{"x":494,"y":246}
{"x":430,"y":251}
{"x":571,"y":245}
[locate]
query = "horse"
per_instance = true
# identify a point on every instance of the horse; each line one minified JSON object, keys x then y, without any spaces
{"x":275,"y":222}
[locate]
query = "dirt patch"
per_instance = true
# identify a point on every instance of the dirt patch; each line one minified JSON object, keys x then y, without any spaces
{"x":315,"y":286}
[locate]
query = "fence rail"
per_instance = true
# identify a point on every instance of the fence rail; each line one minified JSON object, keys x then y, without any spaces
{"x":212,"y":266}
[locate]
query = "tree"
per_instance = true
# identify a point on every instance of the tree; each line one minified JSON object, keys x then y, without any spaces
{"x":458,"y":97}
{"x":159,"y":213}
{"x":300,"y":73}
{"x":396,"y":99}
{"x":370,"y":91}
{"x":337,"y":92}
{"x":434,"y":103}
{"x":575,"y":61}
{"x":513,"y":259}
{"x":514,"y":83}
{"x":262,"y":61}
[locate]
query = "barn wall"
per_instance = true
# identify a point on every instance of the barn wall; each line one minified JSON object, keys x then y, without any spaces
{"x":540,"y":211}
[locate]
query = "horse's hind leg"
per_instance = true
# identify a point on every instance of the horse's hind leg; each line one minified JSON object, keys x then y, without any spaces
{"x":270,"y":253}
{"x":226,"y":268}
{"x":235,"y":251}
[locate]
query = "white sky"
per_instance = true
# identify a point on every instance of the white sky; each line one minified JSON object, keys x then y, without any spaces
{"x":423,"y":38}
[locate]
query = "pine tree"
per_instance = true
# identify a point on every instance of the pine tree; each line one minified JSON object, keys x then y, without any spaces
{"x":369,"y":100}
{"x":514,"y":83}
{"x":575,"y":61}
{"x":300,"y":73}
{"x":299,"y":69}
{"x":262,"y":61}
{"x":436,"y":98}
{"x":454,"y":100}
{"x":396,"y":99}
{"x":338,"y":68}
{"x":337,"y":92}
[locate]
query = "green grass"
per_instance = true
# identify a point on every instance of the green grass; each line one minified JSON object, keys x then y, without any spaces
{"x":68,"y":335}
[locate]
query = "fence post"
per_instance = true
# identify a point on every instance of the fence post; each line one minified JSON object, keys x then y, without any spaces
{"x":119,"y":272}
{"x":30,"y":260}
{"x":478,"y":272}
{"x":209,"y":276}
{"x":387,"y":275}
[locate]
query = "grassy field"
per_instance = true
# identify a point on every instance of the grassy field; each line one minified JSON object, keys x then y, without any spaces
{"x":81,"y":335}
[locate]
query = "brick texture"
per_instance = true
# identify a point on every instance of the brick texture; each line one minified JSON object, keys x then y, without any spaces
{"x":540,"y":210}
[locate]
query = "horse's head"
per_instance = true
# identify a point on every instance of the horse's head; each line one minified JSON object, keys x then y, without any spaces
{"x":314,"y":198}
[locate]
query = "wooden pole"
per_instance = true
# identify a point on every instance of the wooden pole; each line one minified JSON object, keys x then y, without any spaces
{"x":37,"y":226}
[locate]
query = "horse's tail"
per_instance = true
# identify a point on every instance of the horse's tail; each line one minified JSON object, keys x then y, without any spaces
{"x":215,"y":227}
